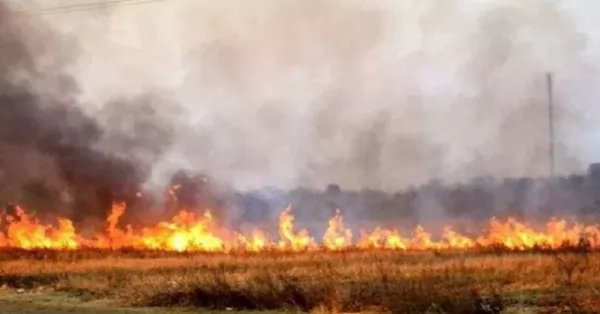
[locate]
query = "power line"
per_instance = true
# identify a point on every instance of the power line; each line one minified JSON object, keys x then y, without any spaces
{"x":89,"y":6}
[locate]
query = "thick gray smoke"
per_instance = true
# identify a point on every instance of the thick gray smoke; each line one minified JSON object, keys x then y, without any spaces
{"x":382,"y":95}
{"x":51,"y":159}
{"x":379,"y":94}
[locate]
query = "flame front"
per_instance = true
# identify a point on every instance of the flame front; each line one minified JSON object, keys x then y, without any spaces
{"x":26,"y":232}
{"x":289,"y":240}
{"x":188,"y":231}
{"x":336,"y":236}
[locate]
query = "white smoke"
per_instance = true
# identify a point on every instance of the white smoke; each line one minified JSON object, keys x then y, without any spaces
{"x":362,"y":93}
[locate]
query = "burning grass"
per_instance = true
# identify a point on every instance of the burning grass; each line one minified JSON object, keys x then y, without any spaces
{"x":190,"y":232}
{"x":345,"y":281}
{"x":189,"y":262}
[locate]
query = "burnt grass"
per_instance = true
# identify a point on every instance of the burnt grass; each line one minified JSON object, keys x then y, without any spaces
{"x":493,"y":280}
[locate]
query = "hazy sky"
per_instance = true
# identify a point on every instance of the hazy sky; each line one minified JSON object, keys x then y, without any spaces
{"x":362,"y":93}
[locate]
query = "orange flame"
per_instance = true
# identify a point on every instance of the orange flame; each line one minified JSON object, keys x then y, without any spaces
{"x":188,"y":231}
{"x":289,"y":240}
{"x":28,"y":233}
{"x":336,"y":236}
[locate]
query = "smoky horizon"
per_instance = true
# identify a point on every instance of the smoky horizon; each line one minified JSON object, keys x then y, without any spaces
{"x":317,"y":156}
{"x":306,"y":93}
{"x":100,"y":104}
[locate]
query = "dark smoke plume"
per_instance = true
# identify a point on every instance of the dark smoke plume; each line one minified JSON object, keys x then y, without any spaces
{"x":52,"y":158}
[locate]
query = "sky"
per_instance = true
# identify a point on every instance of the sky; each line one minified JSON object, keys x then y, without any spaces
{"x":381,"y":94}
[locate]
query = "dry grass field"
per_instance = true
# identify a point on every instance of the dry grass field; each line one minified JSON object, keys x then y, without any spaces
{"x":509,"y":268}
{"x":318,"y":282}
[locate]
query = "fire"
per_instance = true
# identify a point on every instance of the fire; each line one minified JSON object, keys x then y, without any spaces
{"x":27,"y":232}
{"x":337,"y":237}
{"x":289,"y":240}
{"x":189,"y":231}
{"x":455,"y":240}
{"x":258,"y":241}
{"x":381,"y":239}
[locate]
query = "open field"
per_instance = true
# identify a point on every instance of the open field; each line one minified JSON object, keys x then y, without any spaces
{"x":350,"y":281}
{"x":191,"y":264}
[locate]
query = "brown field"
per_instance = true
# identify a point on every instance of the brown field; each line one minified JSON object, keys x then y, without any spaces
{"x":324,"y":282}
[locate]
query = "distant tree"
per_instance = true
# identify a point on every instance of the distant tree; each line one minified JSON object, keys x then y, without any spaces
{"x":333,"y":190}
{"x":594,"y":172}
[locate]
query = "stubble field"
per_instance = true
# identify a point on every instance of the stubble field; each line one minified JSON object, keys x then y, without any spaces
{"x":319,"y":281}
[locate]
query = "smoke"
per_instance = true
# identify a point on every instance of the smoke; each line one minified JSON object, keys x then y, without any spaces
{"x":54,"y":157}
{"x":380,"y":95}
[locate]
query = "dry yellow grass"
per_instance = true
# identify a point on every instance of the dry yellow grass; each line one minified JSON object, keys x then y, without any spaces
{"x":320,"y":282}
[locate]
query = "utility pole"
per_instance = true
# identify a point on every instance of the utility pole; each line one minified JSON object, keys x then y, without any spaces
{"x":550,"y":80}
